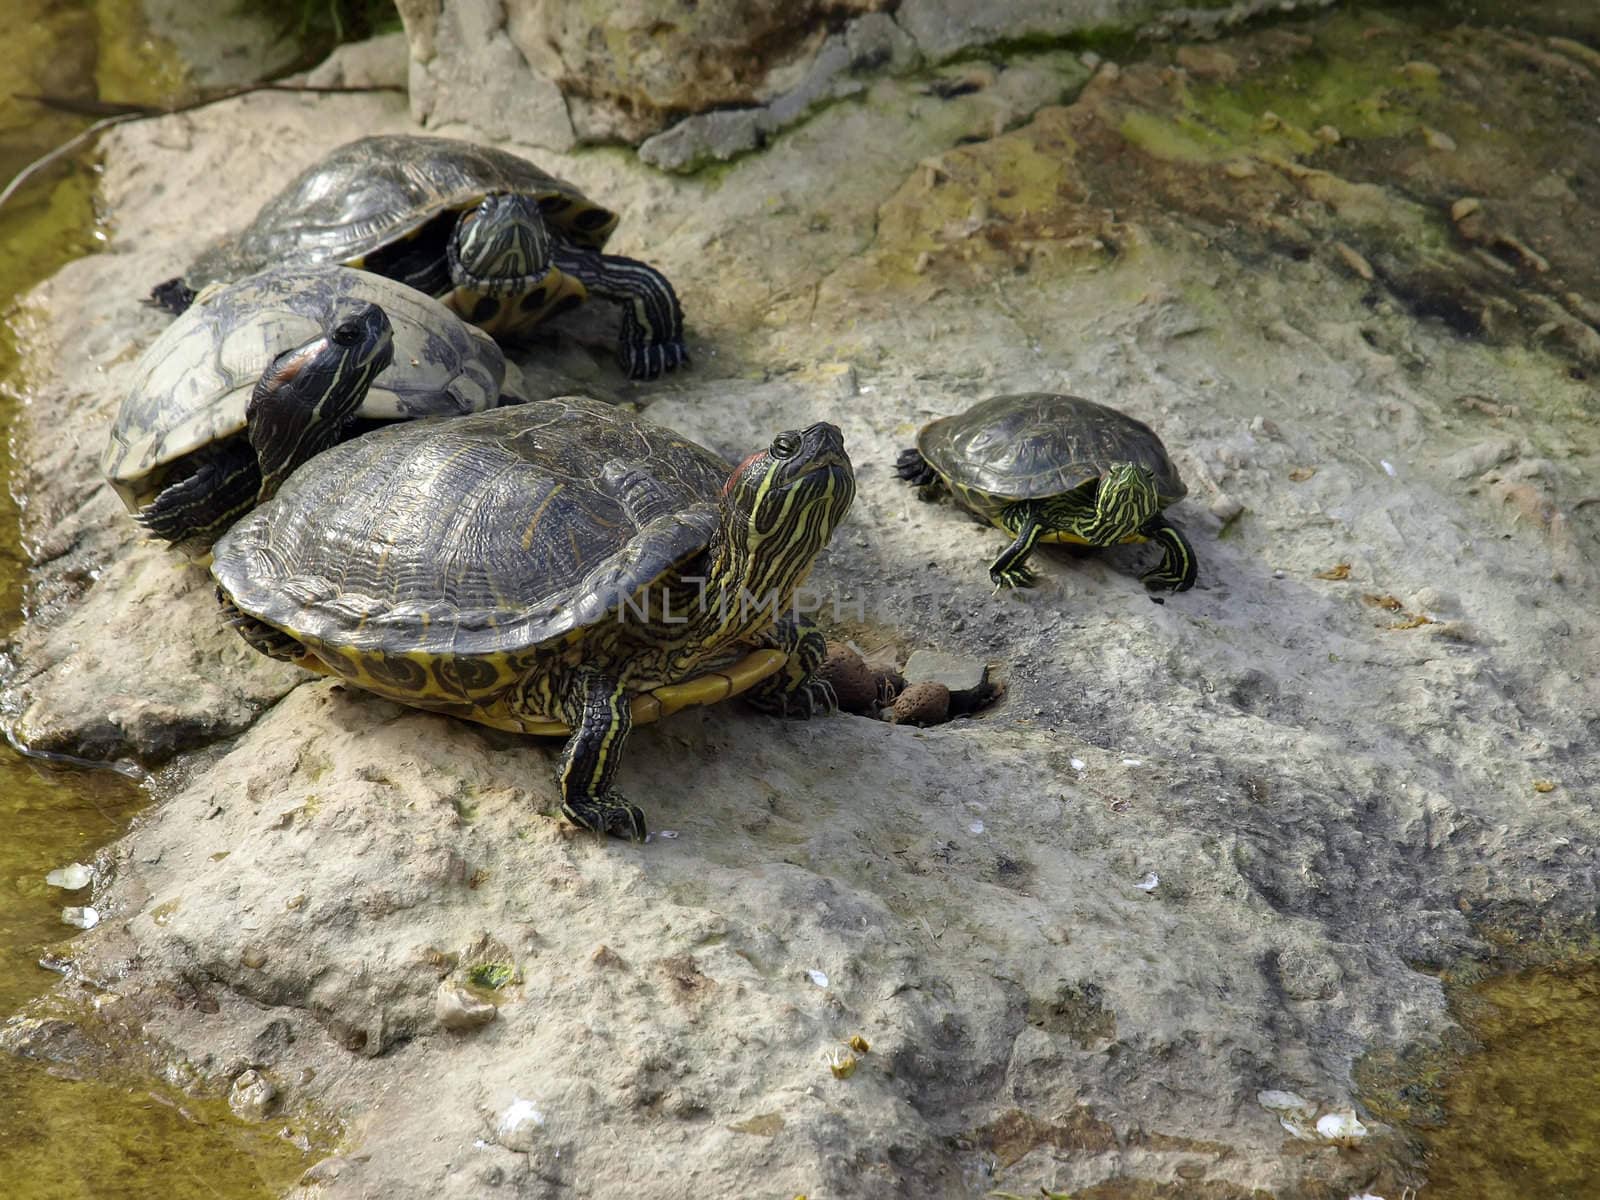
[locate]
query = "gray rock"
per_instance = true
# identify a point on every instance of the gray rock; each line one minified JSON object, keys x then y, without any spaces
{"x":459,"y":1010}
{"x":252,"y":1097}
{"x":966,"y":678}
{"x":382,"y":61}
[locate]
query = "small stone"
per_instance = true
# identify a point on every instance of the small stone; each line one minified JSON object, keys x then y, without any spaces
{"x":1437,"y":139}
{"x":1327,"y":134}
{"x":1225,"y":508}
{"x":252,"y":1096}
{"x":1352,"y":259}
{"x":253,"y":957}
{"x":83,"y":918}
{"x":1418,"y":70}
{"x":519,"y":1126}
{"x":459,"y":1010}
{"x":926,"y":703}
{"x":1465,"y":207}
{"x":71,"y":878}
{"x":967,"y":679}
{"x":1239,"y":168}
{"x":859,"y":689}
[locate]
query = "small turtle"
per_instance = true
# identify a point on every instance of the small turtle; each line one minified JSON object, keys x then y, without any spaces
{"x":1051,"y":468}
{"x":259,"y":376}
{"x":559,"y":567}
{"x":500,"y":241}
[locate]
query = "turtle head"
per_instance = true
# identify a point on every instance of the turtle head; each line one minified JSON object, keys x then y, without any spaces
{"x":501,"y":247}
{"x":781,"y":506}
{"x":1126,"y":499}
{"x":308,"y":394}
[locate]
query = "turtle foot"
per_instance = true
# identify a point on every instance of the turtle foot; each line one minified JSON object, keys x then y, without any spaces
{"x":650,"y":360}
{"x":913,"y":468}
{"x":608,"y":814}
{"x":814,"y":698}
{"x":173,"y":295}
{"x":1013,"y":577}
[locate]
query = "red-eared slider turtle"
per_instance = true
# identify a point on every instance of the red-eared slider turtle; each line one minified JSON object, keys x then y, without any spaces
{"x":556,"y":567}
{"x":259,"y":376}
{"x":1050,"y":468}
{"x":500,"y":241}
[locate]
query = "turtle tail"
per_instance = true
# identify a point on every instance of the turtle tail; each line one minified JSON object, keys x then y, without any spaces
{"x":272,"y":642}
{"x":198,"y":508}
{"x":913,"y":468}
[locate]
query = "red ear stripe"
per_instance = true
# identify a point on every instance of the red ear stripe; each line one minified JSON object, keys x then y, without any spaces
{"x":739,"y":470}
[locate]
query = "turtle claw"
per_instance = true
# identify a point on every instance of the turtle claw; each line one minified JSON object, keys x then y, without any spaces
{"x":1013,"y":577}
{"x":649,"y":360}
{"x":608,"y":814}
{"x":814,"y":698}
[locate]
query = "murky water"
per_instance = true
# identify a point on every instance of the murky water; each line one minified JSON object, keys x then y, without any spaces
{"x":63,"y":1139}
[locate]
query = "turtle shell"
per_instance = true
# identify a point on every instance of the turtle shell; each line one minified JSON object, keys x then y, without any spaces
{"x":434,"y":561}
{"x":192,"y":385}
{"x":1039,"y":444}
{"x":376,"y":191}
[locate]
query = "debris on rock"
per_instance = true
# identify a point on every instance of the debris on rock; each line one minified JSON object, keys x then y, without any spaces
{"x":252,"y":1096}
{"x":459,"y":1010}
{"x":925,"y":703}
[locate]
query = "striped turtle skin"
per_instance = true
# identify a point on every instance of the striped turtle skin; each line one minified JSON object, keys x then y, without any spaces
{"x":560,"y":567}
{"x":1046,"y":467}
{"x":503,"y":243}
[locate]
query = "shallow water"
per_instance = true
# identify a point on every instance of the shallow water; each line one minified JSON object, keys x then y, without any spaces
{"x":62,"y":1139}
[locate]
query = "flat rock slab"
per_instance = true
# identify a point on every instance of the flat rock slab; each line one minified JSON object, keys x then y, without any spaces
{"x":1358,"y":754}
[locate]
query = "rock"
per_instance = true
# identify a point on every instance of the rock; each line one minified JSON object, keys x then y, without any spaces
{"x":382,"y":61}
{"x":965,"y":679}
{"x":252,"y":1097}
{"x":858,"y":688}
{"x":925,"y":703}
{"x":458,"y":1009}
{"x":71,"y":877}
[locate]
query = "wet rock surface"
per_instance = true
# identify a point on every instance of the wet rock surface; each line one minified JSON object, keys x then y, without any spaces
{"x":1201,"y":850}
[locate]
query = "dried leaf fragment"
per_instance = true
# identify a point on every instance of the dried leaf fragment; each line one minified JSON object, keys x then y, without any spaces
{"x":1341,"y":571}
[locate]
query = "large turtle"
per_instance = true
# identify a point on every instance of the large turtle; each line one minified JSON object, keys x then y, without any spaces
{"x":500,"y":241}
{"x":1052,"y":468}
{"x":557,"y":567}
{"x":260,"y":375}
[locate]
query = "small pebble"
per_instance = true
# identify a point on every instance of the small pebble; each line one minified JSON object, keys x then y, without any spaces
{"x":977,"y":826}
{"x":1327,"y":134}
{"x":71,"y":877}
{"x":1076,"y":763}
{"x":818,"y":978}
{"x":1388,"y":467}
{"x":1225,"y":508}
{"x":519,"y":1126}
{"x":1149,"y":883}
{"x":459,"y":1010}
{"x":925,"y":703}
{"x":83,"y":918}
{"x":251,"y":1097}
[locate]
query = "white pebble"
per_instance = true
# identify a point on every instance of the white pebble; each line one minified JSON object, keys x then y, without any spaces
{"x":818,"y":978}
{"x":1077,"y":763}
{"x":83,"y":918}
{"x":71,"y":877}
{"x":1149,"y":882}
{"x":976,"y":827}
{"x":1388,"y":467}
{"x":1133,"y":762}
{"x":518,"y":1124}
{"x":1341,"y":1126}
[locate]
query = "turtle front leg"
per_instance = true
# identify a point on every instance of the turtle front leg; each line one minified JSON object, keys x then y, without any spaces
{"x":795,"y":690}
{"x":652,"y":319}
{"x":1011,"y":568}
{"x":1178,"y":569}
{"x":600,"y":713}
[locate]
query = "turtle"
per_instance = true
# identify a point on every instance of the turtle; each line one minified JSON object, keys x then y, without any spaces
{"x":1046,"y":467}
{"x":502,"y":242}
{"x":561,"y":567}
{"x":263,"y":373}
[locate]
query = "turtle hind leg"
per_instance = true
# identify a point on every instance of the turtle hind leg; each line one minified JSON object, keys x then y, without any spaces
{"x":913,"y":468}
{"x":172,"y":295}
{"x":599,"y":711}
{"x":260,"y":636}
{"x":795,"y":689}
{"x":651,"y":340}
{"x":197,"y":509}
{"x":1178,"y":569}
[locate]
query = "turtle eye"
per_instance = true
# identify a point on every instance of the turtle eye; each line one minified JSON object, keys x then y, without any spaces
{"x":785,"y":445}
{"x":347,"y":333}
